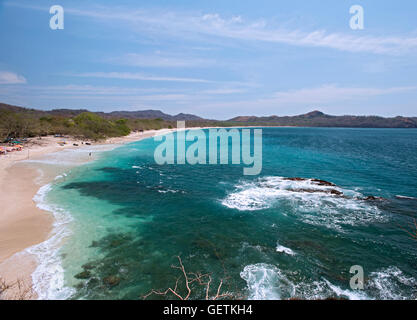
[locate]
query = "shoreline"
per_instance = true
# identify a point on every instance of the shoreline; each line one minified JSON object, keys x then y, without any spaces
{"x":23,"y":225}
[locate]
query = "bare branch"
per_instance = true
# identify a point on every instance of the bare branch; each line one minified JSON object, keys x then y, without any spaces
{"x":190,"y":278}
{"x":17,"y":290}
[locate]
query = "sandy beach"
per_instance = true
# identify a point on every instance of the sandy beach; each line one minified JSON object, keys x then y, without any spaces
{"x":22,"y":223}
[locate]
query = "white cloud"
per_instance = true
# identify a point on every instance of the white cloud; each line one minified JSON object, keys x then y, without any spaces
{"x":116,"y":94}
{"x":159,"y":60}
{"x":183,"y":24}
{"x":137,"y":76}
{"x":212,"y":103}
{"x":11,"y":78}
{"x":222,"y":91}
{"x":332,"y":93}
{"x":187,"y":24}
{"x":73,"y":89}
{"x":294,"y":101}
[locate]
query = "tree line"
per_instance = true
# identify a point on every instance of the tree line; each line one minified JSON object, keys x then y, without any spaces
{"x":86,"y":125}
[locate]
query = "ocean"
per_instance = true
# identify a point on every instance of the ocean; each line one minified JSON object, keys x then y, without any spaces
{"x":123,"y":221}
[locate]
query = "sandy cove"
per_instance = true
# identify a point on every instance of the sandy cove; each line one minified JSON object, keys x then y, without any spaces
{"x":22,"y":223}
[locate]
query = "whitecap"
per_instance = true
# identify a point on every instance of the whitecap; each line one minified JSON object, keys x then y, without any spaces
{"x":263,"y":281}
{"x":48,"y":277}
{"x":285,"y":250}
{"x":391,"y":284}
{"x":346,"y":293}
{"x":268,"y":282}
{"x":405,"y":197}
{"x":168,"y":191}
{"x":61,"y":176}
{"x":313,"y":203}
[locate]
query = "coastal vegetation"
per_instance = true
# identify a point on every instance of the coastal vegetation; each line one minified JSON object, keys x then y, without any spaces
{"x":18,"y":122}
{"x":25,"y":123}
{"x":320,"y":119}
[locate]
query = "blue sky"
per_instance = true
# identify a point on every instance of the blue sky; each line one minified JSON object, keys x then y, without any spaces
{"x":217,"y":58}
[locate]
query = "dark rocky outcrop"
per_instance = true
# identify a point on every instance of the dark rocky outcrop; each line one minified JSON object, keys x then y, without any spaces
{"x":323,"y":183}
{"x":83,"y":275}
{"x":316,"y":181}
{"x":88,"y":266}
{"x":331,"y":191}
{"x":372,"y":198}
{"x":111,"y":281}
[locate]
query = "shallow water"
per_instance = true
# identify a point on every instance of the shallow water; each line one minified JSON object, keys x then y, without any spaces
{"x":265,"y":236}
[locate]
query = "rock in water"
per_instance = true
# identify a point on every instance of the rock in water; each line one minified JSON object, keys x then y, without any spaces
{"x":323,"y":183}
{"x":316,"y":181}
{"x":372,"y":198}
{"x":111,"y":281}
{"x":83,"y":275}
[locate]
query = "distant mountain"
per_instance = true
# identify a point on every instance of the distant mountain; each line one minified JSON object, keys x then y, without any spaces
{"x":314,"y":114}
{"x":320,"y":119}
{"x":312,"y":119}
{"x":144,"y":114}
{"x":186,"y":116}
{"x":151,"y":114}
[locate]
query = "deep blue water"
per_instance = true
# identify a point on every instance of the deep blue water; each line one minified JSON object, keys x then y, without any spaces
{"x":264,"y":236}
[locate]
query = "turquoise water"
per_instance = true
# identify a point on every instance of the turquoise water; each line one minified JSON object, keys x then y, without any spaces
{"x":266,"y":236}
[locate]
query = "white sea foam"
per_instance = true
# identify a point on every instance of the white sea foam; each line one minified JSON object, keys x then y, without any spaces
{"x":390,"y":283}
{"x":246,"y":245}
{"x":48,"y":277}
{"x":169,"y":191}
{"x":264,"y":192}
{"x":61,"y":176}
{"x":346,"y":293}
{"x":405,"y":197}
{"x":306,"y":199}
{"x":263,"y":281}
{"x":268,"y":282}
{"x":285,"y":250}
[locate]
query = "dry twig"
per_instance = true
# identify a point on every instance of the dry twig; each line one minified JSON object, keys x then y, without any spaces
{"x":190,"y":278}
{"x":17,"y":290}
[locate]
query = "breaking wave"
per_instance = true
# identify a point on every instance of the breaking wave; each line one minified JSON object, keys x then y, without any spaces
{"x":285,"y":250}
{"x":268,"y":282}
{"x":314,"y":203}
{"x":405,"y":197}
{"x":48,"y":277}
{"x":263,"y":281}
{"x":391,"y":283}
